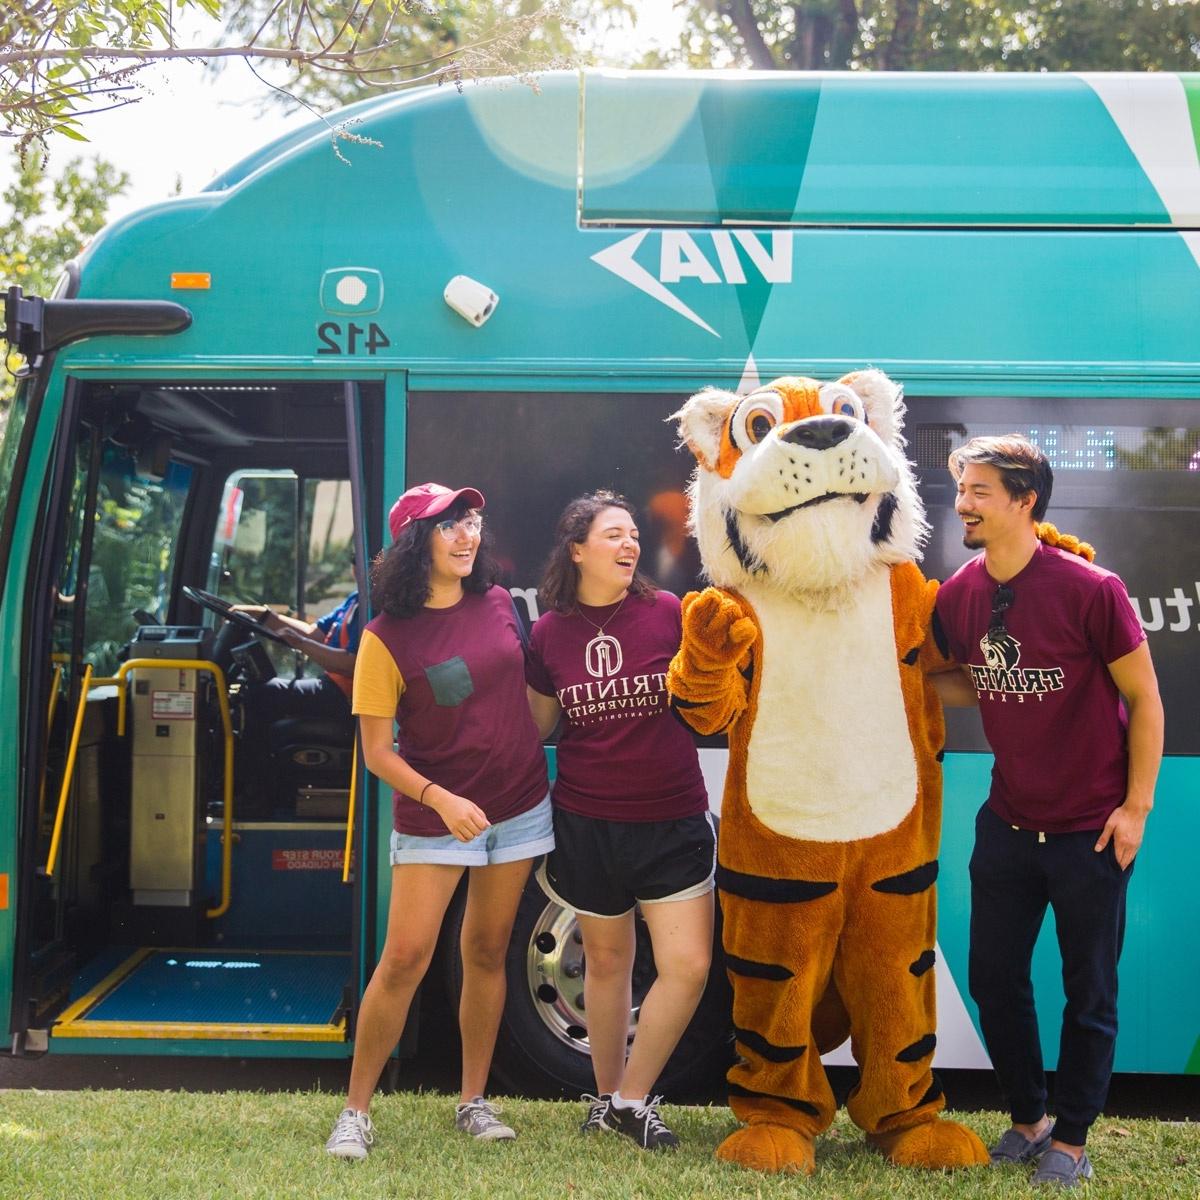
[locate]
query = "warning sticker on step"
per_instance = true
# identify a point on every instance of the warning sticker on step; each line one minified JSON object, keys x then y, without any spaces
{"x":306,"y":860}
{"x":173,"y":706}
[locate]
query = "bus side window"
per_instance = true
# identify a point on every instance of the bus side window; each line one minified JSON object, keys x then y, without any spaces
{"x":136,"y":537}
{"x":285,"y":541}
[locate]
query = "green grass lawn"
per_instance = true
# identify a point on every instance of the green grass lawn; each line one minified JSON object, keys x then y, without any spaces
{"x":163,"y":1145}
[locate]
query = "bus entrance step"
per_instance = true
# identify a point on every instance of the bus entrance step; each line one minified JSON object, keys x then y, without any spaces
{"x":269,"y":995}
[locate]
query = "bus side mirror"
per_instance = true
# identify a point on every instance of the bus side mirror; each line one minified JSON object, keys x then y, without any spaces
{"x":35,"y":326}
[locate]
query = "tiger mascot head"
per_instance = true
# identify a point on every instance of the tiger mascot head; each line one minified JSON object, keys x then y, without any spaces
{"x":802,"y":485}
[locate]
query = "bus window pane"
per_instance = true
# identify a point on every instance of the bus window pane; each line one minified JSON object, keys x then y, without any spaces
{"x":133,"y":555}
{"x":1095,"y":446}
{"x":329,"y":573}
{"x":254,"y":550}
{"x":530,"y":453}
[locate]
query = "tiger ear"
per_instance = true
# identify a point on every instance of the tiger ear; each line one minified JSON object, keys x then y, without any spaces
{"x":883,"y":398}
{"x":701,"y":420}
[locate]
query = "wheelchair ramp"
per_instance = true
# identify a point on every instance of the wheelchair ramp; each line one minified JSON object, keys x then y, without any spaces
{"x":238,"y":995}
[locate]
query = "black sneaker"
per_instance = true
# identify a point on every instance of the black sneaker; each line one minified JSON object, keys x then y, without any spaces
{"x":598,"y":1118}
{"x":643,"y":1124}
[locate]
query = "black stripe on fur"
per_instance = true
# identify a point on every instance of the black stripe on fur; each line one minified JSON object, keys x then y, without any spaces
{"x":918,"y":1050}
{"x":800,"y":1105}
{"x":768,"y":1050}
{"x":734,"y":534}
{"x":933,"y":1093}
{"x":881,"y":529}
{"x":771,"y":891}
{"x":757,"y":970}
{"x":923,"y":963}
{"x":910,"y":882}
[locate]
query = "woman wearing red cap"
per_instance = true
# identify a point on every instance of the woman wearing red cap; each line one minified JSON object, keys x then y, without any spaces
{"x":442,"y":670}
{"x":631,"y":820}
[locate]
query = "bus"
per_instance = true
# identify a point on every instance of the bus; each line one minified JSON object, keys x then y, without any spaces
{"x":516,"y":289}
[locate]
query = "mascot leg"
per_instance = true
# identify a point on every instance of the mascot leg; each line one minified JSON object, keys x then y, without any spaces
{"x":886,"y":964}
{"x":779,"y":958}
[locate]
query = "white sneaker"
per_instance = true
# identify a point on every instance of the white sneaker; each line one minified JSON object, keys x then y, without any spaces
{"x":352,"y":1135}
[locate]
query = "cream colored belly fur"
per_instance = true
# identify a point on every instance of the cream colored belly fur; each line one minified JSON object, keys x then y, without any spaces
{"x":830,"y":757}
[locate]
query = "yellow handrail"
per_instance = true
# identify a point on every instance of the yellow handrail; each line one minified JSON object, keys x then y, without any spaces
{"x":189,"y":664}
{"x":68,"y":772}
{"x":350,"y":811}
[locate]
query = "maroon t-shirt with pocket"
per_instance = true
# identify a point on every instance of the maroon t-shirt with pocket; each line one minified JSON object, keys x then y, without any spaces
{"x":463,"y":717}
{"x":622,"y":755}
{"x":1051,"y":712}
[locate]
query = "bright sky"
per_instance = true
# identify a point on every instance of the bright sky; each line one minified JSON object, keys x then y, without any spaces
{"x":190,"y":123}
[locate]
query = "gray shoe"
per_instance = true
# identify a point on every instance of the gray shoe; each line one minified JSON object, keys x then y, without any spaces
{"x":598,"y":1111}
{"x":352,"y":1135}
{"x":1015,"y":1147}
{"x":1057,"y":1168}
{"x":479,"y":1118}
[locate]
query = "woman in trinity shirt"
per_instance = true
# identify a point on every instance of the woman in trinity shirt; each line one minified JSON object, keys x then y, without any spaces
{"x":631,"y":820}
{"x":445,"y":664}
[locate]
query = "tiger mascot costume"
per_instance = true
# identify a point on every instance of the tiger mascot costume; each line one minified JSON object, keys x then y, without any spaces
{"x":813,"y":651}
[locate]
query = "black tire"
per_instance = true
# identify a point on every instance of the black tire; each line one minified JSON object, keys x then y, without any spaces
{"x":542,"y":1046}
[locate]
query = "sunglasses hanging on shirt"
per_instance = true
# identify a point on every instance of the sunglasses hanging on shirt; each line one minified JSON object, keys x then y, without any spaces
{"x":1002,"y":601}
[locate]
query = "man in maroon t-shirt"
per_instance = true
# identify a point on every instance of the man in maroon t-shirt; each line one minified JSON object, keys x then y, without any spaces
{"x":1049,"y":645}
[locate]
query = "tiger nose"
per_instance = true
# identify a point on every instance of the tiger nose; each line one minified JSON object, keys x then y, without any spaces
{"x":819,"y":433}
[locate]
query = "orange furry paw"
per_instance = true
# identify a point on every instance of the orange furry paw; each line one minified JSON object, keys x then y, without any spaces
{"x":772,"y":1148}
{"x":935,"y":1144}
{"x":718,"y":633}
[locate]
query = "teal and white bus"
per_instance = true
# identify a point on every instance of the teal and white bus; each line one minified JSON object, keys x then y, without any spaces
{"x":514,"y":291}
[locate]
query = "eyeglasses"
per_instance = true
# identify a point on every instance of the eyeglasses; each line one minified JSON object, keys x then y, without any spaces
{"x":471,"y":525}
{"x":1002,"y":601}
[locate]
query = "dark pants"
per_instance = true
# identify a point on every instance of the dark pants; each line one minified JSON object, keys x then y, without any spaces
{"x":1014,"y":876}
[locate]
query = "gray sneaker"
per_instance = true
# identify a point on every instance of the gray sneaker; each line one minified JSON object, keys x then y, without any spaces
{"x":599,"y":1108}
{"x":1015,"y":1147}
{"x":352,"y":1135}
{"x":1057,"y":1168}
{"x":480,"y":1118}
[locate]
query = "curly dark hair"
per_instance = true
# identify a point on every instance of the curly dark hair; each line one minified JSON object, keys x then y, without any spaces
{"x":560,"y":576}
{"x":400,"y":574}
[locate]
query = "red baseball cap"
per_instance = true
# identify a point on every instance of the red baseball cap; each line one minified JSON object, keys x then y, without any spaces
{"x":427,"y":500}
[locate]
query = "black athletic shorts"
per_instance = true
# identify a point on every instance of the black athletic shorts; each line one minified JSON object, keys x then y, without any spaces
{"x":602,"y":868}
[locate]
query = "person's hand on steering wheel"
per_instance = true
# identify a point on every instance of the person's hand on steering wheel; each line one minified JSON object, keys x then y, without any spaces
{"x":260,"y":612}
{"x":294,"y":638}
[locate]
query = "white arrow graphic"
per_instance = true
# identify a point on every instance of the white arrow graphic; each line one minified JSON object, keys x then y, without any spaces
{"x":618,"y":258}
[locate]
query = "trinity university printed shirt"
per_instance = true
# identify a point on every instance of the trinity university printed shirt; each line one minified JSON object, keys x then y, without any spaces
{"x":622,"y":755}
{"x":1050,"y":709}
{"x":454,"y":679}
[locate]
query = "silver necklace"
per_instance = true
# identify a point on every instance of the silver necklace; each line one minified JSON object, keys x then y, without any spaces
{"x":607,"y":620}
{"x":603,"y":656}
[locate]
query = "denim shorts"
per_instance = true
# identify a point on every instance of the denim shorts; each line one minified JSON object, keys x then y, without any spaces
{"x":527,"y":835}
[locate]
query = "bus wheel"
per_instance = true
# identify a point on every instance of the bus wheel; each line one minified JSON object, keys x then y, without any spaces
{"x":542,"y":1048}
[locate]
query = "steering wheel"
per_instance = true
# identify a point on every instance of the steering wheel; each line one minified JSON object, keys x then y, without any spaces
{"x":234,"y":616}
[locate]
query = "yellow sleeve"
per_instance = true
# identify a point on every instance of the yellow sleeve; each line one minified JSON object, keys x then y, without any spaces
{"x":378,"y":684}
